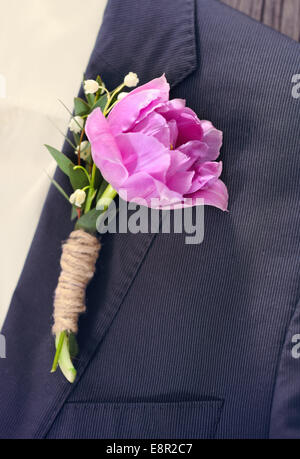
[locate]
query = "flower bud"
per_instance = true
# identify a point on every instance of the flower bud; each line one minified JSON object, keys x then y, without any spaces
{"x":76,"y":124}
{"x":122,"y":95}
{"x":77,"y":198}
{"x":85,"y":150}
{"x":131,"y":80}
{"x":90,"y":86}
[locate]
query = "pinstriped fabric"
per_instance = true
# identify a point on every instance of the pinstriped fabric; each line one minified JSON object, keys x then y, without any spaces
{"x":285,"y":416}
{"x":126,"y":39}
{"x":186,"y":326}
{"x":210,"y":320}
{"x":142,"y":420}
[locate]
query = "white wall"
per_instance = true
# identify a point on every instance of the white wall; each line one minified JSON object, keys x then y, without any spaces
{"x":45,"y":46}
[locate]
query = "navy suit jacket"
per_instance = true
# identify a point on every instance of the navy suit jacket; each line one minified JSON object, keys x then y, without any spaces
{"x":179,"y":341}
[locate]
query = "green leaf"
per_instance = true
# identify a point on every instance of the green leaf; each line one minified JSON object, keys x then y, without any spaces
{"x":59,"y":344}
{"x":89,"y":200}
{"x":64,"y":105}
{"x":91,"y":99}
{"x":78,"y":178}
{"x":73,"y":346}
{"x":101,"y":190}
{"x":73,"y":213}
{"x":100,"y":103}
{"x":76,"y":138}
{"x":63,"y":162}
{"x":81,"y":107}
{"x":63,"y":134}
{"x":88,"y":221}
{"x":99,"y":80}
{"x":59,"y":188}
{"x":65,"y":362}
{"x":98,"y":179}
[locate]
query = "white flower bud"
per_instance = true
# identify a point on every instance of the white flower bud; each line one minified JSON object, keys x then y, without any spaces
{"x":85,"y":150}
{"x":131,"y":80}
{"x":102,"y":87}
{"x":122,"y":95}
{"x":76,"y":124}
{"x":90,"y":86}
{"x":77,"y":198}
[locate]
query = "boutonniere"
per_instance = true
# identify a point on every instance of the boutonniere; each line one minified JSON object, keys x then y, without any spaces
{"x":145,"y":148}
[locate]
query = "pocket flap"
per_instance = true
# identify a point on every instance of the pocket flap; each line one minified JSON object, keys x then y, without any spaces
{"x":184,"y":420}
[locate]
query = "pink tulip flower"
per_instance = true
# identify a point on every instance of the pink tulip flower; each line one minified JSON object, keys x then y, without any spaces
{"x":152,"y":148}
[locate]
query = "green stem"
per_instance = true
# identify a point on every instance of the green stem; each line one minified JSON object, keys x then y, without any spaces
{"x":65,"y":362}
{"x":84,"y":170}
{"x":107,"y":197}
{"x":104,"y":89}
{"x":62,"y":355}
{"x":92,"y":191}
{"x":111,"y":107}
{"x":60,"y":340}
{"x":110,"y":98}
{"x":93,"y":175}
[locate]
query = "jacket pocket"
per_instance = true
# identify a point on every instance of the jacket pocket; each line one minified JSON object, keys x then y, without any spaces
{"x":176,"y":420}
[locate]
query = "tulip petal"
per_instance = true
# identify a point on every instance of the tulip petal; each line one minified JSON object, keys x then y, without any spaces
{"x":159,"y":84}
{"x":156,"y":126}
{"x":199,"y":151}
{"x":138,"y":187}
{"x":205,"y":174}
{"x":213,"y":138}
{"x":181,"y":182}
{"x":179,"y":162}
{"x":188,"y":123}
{"x":214,"y":195}
{"x":141,"y":153}
{"x":105,"y":151}
{"x":145,"y":190}
{"x":138,"y":104}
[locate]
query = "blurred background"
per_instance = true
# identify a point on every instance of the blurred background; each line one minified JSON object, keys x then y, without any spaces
{"x":45,"y":46}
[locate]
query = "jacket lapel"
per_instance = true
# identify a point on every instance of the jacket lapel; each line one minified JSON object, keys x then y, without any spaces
{"x":149,"y":38}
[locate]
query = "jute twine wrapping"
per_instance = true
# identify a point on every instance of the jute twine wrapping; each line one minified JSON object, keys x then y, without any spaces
{"x":78,"y":260}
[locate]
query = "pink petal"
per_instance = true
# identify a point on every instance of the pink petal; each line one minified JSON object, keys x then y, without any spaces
{"x":198,"y":151}
{"x":213,"y":139}
{"x":142,"y":153}
{"x":155,"y":125}
{"x":138,"y":104}
{"x":181,"y":182}
{"x":173,"y":104}
{"x":205,"y":174}
{"x":143,"y":189}
{"x":179,"y":162}
{"x":138,"y":186}
{"x":215,"y":195}
{"x":188,"y":124}
{"x":173,"y":129}
{"x":159,"y":84}
{"x":105,"y":151}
